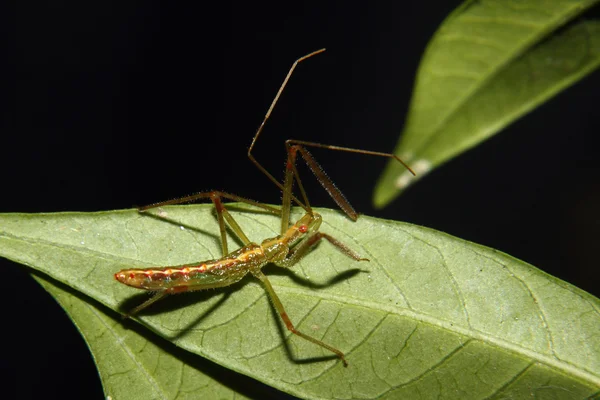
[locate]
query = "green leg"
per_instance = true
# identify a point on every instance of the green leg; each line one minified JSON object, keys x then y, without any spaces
{"x":300,"y":250}
{"x":222,"y":213}
{"x":150,"y":301}
{"x":288,"y":323}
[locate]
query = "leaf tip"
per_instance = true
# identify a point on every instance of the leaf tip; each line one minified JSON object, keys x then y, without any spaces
{"x":394,"y":181}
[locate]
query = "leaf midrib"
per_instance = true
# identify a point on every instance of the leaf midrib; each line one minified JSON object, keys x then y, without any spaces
{"x":579,"y":372}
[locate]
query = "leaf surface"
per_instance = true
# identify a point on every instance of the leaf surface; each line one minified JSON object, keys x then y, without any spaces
{"x":132,"y":365}
{"x":429,"y":316}
{"x":488,"y":64}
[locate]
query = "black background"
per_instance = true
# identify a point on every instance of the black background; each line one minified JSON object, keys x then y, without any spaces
{"x":117,"y":105}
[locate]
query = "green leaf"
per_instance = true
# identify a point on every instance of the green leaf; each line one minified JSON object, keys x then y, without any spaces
{"x":131,"y":365}
{"x":488,"y":64}
{"x":429,"y":316}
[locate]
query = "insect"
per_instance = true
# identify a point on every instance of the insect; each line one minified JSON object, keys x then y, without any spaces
{"x":283,"y":250}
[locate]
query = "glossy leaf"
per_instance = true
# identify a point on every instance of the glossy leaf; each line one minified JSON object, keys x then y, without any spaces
{"x":488,"y":64}
{"x":429,"y":316}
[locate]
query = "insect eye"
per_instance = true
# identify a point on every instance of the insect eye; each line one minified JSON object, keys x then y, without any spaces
{"x":131,"y":275}
{"x":303,"y":228}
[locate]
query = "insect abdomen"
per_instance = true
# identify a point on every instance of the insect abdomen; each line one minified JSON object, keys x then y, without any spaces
{"x":170,"y":277}
{"x":207,"y":274}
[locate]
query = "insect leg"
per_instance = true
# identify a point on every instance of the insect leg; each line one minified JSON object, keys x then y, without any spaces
{"x":291,"y":173}
{"x":294,"y":146}
{"x":226,"y":281}
{"x":207,"y":195}
{"x":300,"y":250}
{"x":222,"y":213}
{"x":159,"y":295}
{"x":287,"y":193}
{"x":288,"y":323}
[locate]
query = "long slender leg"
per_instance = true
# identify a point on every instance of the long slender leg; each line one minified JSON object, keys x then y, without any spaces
{"x":286,"y":198}
{"x":150,"y":301}
{"x":260,"y":129}
{"x":350,"y":150}
{"x":323,"y":179}
{"x":300,"y":250}
{"x":222,"y":213}
{"x":180,"y":289}
{"x":288,"y":323}
{"x":294,"y":146}
{"x":291,"y":174}
{"x":297,"y":145}
{"x":207,"y":195}
{"x":156,"y":297}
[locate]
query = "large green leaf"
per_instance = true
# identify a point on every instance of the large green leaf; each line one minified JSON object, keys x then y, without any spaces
{"x":131,"y":365}
{"x":429,"y":316}
{"x":489,"y":63}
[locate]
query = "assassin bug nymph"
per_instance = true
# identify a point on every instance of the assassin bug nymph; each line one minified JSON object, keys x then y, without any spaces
{"x":284,"y":250}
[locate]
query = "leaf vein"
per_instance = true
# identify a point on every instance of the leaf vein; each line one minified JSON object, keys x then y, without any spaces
{"x":510,"y":382}
{"x":456,"y":288}
{"x":389,"y":276}
{"x":432,"y":368}
{"x":128,"y":352}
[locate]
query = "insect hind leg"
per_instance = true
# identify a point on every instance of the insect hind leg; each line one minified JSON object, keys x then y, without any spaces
{"x":288,"y":323}
{"x":159,"y":295}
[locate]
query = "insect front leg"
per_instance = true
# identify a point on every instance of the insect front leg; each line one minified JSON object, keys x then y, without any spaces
{"x":302,"y":248}
{"x":288,"y":323}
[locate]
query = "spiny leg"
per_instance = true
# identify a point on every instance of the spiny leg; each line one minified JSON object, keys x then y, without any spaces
{"x":222,"y":213}
{"x":156,"y":297}
{"x":159,"y":295}
{"x":292,"y":147}
{"x":297,"y":146}
{"x":287,"y":194}
{"x":350,"y":150}
{"x":181,"y":289}
{"x":208,"y":194}
{"x":288,"y":323}
{"x":291,"y":174}
{"x":300,"y":250}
